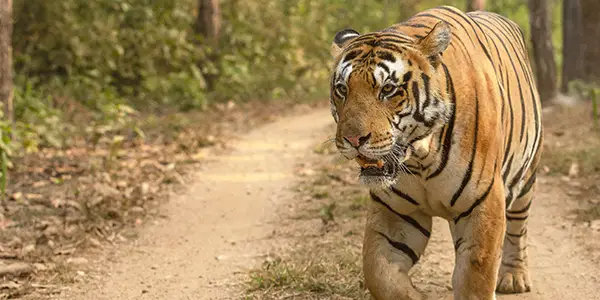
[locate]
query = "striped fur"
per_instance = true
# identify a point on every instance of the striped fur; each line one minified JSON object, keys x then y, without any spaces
{"x":447,"y":101}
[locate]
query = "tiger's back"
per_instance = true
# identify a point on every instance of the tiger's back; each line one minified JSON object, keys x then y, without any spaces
{"x":489,"y":64}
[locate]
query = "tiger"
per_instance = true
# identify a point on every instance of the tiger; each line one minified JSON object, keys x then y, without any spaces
{"x":442,"y":114}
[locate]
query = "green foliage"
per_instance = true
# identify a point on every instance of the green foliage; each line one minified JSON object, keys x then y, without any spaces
{"x":37,"y":123}
{"x":123,"y":48}
{"x":5,"y":153}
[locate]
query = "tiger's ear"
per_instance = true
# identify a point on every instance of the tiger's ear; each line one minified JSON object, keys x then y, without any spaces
{"x":435,"y":42}
{"x":342,"y":39}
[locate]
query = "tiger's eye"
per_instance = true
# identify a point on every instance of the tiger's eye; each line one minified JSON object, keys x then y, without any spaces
{"x":341,"y":89}
{"x":387,"y":88}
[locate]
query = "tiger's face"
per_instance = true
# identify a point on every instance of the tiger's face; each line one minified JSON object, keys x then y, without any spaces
{"x":385,"y":97}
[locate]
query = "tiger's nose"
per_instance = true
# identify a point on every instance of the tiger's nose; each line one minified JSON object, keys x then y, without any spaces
{"x":357,"y":141}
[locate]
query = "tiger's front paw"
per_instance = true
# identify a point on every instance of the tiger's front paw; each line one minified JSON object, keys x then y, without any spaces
{"x":513,"y":280}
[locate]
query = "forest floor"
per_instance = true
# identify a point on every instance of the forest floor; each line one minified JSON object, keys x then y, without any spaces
{"x":274,"y":214}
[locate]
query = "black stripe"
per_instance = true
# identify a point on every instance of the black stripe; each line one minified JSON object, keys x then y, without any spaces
{"x":516,"y":179}
{"x":384,"y":66}
{"x":352,"y":55}
{"x":516,"y":218}
{"x":479,"y":200}
{"x":419,"y":114}
{"x":527,"y":72}
{"x":525,"y":189}
{"x":508,"y":167}
{"x":386,"y":56}
{"x":520,"y":61}
{"x":425,"y":79}
{"x":416,"y":25}
{"x":523,"y":210}
{"x":447,"y":144}
{"x":417,"y":95}
{"x":406,"y":218}
{"x":404,"y":196}
{"x":493,"y":42}
{"x":469,"y":171}
{"x":404,"y":248}
{"x":522,"y":234}
{"x":459,"y":242}
{"x":393,"y":40}
{"x":407,"y":76}
{"x":466,"y":19}
{"x":392,"y":47}
{"x":511,"y":123}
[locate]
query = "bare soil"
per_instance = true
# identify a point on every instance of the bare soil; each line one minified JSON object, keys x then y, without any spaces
{"x":280,"y":216}
{"x":218,"y":228}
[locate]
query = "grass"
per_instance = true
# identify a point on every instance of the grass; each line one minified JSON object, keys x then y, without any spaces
{"x":559,"y":160}
{"x":314,"y":271}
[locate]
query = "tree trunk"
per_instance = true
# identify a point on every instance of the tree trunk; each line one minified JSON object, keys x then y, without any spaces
{"x":573,"y":51}
{"x":208,"y":23}
{"x":6,"y":82}
{"x":475,"y":5}
{"x":591,"y":27}
{"x":208,"y":27}
{"x":543,"y":51}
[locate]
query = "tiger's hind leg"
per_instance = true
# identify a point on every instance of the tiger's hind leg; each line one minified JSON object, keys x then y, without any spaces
{"x":514,"y":276}
{"x":393,"y":243}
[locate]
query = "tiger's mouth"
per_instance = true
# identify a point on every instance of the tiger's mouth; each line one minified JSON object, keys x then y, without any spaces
{"x":375,"y":167}
{"x":381,"y":171}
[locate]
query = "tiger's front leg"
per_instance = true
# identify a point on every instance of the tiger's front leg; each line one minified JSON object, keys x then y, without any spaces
{"x":478,"y":235}
{"x":393,"y":243}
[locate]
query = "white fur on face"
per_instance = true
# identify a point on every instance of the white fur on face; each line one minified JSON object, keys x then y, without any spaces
{"x":343,"y":72}
{"x":381,"y":74}
{"x":341,"y":76}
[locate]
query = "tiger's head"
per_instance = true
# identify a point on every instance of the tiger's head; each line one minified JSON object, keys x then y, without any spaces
{"x":388,"y":92}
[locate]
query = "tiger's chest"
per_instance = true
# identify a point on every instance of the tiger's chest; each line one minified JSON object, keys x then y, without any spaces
{"x":445,"y":194}
{"x":412,"y":193}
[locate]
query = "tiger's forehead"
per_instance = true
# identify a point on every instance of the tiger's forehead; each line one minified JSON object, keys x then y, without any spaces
{"x":377,"y":66}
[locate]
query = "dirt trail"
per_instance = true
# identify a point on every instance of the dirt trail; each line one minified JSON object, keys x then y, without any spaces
{"x":224,"y":225}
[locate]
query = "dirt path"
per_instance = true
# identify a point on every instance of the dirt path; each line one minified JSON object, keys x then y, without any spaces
{"x":220,"y":227}
{"x":225,"y":223}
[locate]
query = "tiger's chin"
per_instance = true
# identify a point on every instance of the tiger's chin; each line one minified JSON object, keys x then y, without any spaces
{"x":378,"y":177}
{"x":372,"y":181}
